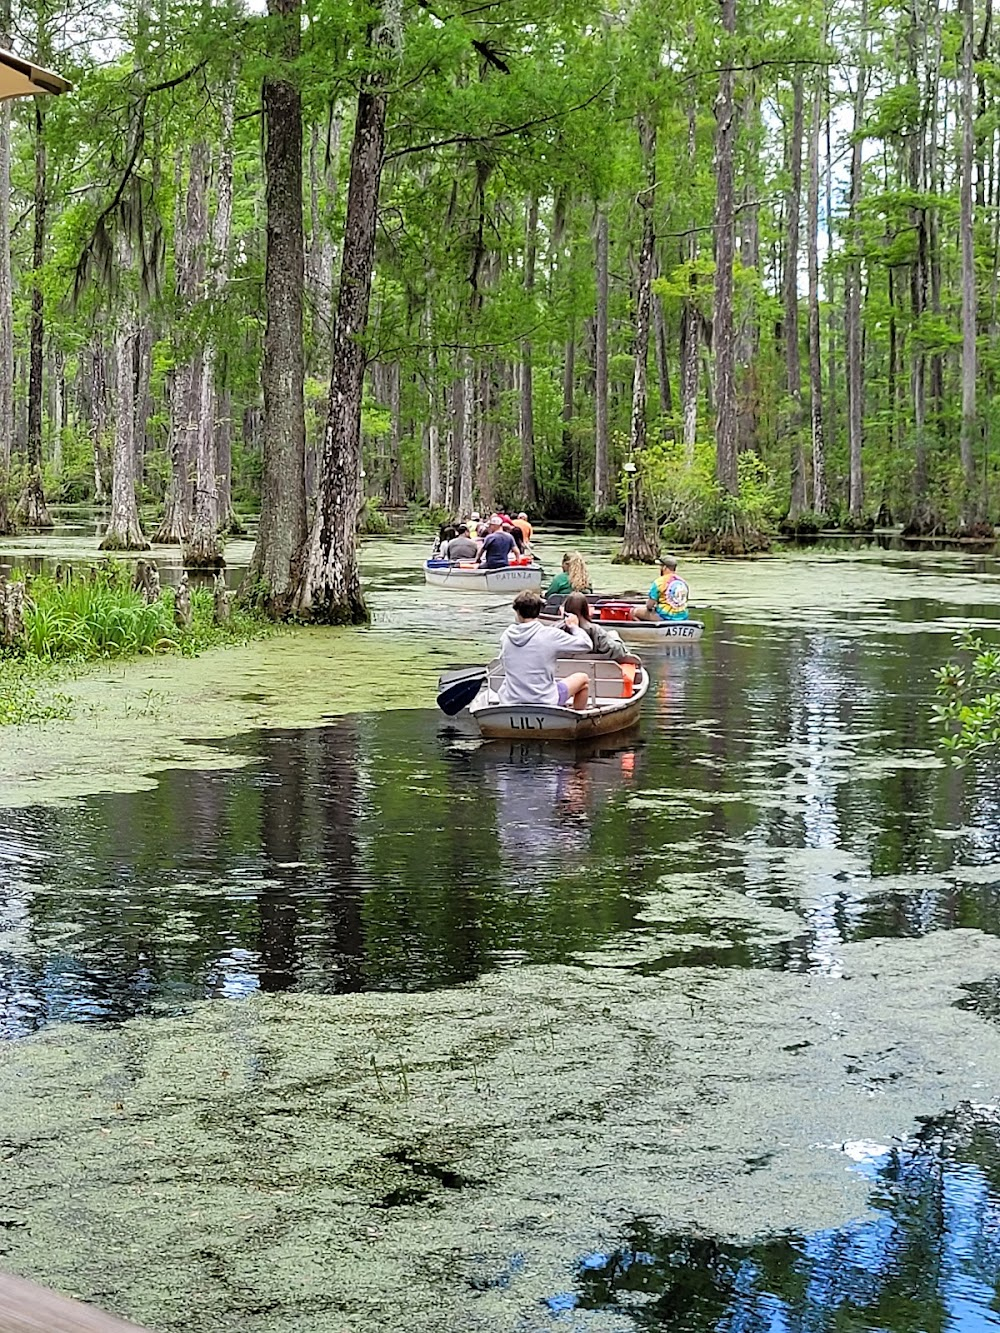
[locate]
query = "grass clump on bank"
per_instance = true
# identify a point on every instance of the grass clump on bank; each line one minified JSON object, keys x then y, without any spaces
{"x":102,"y":616}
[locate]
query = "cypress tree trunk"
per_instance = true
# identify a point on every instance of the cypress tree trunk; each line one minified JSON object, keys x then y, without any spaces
{"x":690,"y":324}
{"x":228,"y":517}
{"x":568,"y":406}
{"x":99,"y":416}
{"x":329,"y":584}
{"x":32,"y":509}
{"x":466,"y":440}
{"x":748,"y":347}
{"x":723,"y":332}
{"x":663,"y":364}
{"x":271,"y":577}
{"x":396,"y":496}
{"x":637,"y":545}
{"x":797,"y":503}
{"x":924,"y":516}
{"x":691,"y":321}
{"x":436,"y":490}
{"x":529,"y":489}
{"x":489,"y":454}
{"x":191,"y":236}
{"x":852,"y":288}
{"x":602,"y":480}
{"x":124,"y":531}
{"x":456,"y":443}
{"x":815,"y":349}
{"x":204,"y":549}
{"x":969,"y":500}
{"x":6,"y":303}
{"x":452,"y":463}
{"x":830,"y":284}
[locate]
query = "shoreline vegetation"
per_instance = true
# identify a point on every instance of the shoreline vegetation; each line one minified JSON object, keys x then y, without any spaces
{"x":52,"y":626}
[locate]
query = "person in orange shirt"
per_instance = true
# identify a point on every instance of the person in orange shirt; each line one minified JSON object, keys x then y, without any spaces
{"x":526,"y":529}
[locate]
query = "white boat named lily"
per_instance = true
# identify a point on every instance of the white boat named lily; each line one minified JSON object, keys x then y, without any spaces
{"x":461,"y":577}
{"x":615,"y":704}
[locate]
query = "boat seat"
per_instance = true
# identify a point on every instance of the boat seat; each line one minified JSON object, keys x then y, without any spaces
{"x":604,"y":676}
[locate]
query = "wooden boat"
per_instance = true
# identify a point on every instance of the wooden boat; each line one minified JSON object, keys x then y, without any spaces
{"x":611,"y":708}
{"x":637,"y":632}
{"x":462,"y":577}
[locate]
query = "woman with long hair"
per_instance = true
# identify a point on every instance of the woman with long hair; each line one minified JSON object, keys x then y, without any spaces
{"x":605,"y":644}
{"x":572,"y":578}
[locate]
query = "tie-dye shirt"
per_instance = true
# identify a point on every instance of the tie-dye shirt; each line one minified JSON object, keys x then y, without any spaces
{"x":670,"y":593}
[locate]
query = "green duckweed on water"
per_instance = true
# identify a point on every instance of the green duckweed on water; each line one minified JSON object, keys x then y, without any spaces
{"x":369,"y":1161}
{"x":129,"y":720}
{"x":705,"y":1032}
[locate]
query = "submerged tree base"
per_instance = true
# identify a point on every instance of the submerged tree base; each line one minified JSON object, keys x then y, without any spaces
{"x":131,"y":539}
{"x":733,"y":539}
{"x":924,"y":522}
{"x":32,"y":510}
{"x":645,"y":554}
{"x":203,"y":555}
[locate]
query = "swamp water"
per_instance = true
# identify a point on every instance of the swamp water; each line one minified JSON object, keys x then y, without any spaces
{"x":366,"y":1025}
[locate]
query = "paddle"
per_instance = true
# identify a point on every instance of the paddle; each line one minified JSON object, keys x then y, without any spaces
{"x":456,"y":673}
{"x":460,"y":693}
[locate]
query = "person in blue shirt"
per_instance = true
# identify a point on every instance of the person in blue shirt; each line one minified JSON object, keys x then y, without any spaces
{"x":668,"y":595}
{"x":496,"y":549}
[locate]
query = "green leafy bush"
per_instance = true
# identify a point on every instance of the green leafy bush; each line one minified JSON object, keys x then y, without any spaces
{"x":371,"y":521}
{"x":969,"y":691}
{"x":692,"y":509}
{"x":606,"y":519}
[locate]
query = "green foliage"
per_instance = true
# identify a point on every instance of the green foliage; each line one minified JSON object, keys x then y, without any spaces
{"x":806,"y":525}
{"x":372,"y":522}
{"x":101,"y":616}
{"x":24,"y":698}
{"x":692,"y":509}
{"x":606,"y":519}
{"x":95,"y":617}
{"x":969,"y":691}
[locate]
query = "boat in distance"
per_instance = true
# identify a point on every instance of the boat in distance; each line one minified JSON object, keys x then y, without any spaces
{"x":467,"y":577}
{"x":615,"y":702}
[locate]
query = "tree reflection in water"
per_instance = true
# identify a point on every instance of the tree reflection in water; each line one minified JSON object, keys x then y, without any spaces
{"x":926,"y":1261}
{"x":392,"y":851}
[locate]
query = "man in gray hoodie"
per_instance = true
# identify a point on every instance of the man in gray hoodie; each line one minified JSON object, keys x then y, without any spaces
{"x":529,"y":651}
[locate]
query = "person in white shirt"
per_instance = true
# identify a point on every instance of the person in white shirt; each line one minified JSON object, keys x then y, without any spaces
{"x":529,"y":651}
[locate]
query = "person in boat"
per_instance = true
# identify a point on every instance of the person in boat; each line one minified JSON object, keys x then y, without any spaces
{"x":462,"y":547}
{"x":517,"y":535}
{"x":668,"y":595}
{"x":530,"y":651}
{"x":573,"y":577}
{"x":496,"y":549}
{"x":527,"y":531}
{"x":605,"y":643}
{"x":445,"y":534}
